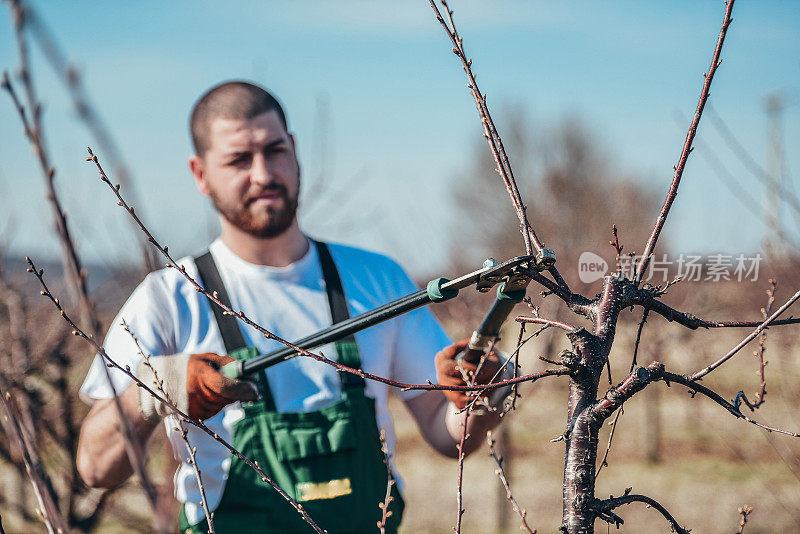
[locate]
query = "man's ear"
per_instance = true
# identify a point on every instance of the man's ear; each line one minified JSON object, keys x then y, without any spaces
{"x":197,"y":166}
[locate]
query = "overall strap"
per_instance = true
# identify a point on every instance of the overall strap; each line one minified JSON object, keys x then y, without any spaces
{"x":212,"y":282}
{"x":228,"y":324}
{"x":346,"y":348}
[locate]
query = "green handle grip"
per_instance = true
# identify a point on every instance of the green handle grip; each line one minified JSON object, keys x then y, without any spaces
{"x":232,"y":370}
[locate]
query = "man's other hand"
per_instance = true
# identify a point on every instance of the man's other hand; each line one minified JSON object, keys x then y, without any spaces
{"x":193,"y":382}
{"x":454,"y":371}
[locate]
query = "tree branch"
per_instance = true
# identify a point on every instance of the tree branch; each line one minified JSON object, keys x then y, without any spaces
{"x":183,"y":416}
{"x":617,"y":396}
{"x":603,"y":509}
{"x":687,"y":146}
{"x":696,"y":387}
{"x":498,"y":460}
{"x":761,"y":327}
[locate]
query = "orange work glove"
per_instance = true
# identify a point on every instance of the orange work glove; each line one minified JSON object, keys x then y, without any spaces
{"x":452,"y":371}
{"x":193,"y":383}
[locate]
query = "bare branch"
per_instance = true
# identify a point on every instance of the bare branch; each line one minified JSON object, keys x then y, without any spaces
{"x":503,"y":166}
{"x":185,"y":417}
{"x":745,"y":512}
{"x":47,"y":506}
{"x":603,"y":462}
{"x":180,"y":429}
{"x":548,"y":322}
{"x":638,"y":338}
{"x":633,"y":383}
{"x":617,"y":247}
{"x":500,"y":472}
{"x":603,"y":509}
{"x":460,"y":484}
{"x":687,"y":146}
{"x":74,"y":273}
{"x":696,"y":387}
{"x":762,"y":363}
{"x":748,"y":339}
{"x":70,"y":76}
{"x":390,"y":483}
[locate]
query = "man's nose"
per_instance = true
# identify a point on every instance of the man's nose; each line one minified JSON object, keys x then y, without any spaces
{"x":259,"y":171}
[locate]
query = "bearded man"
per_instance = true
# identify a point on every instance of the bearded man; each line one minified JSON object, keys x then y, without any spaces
{"x":315,"y":431}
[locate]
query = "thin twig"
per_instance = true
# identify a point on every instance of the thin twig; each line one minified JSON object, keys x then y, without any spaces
{"x":180,"y":428}
{"x":390,"y":483}
{"x":750,"y":164}
{"x":759,"y":354}
{"x":548,"y":322}
{"x":638,"y":338}
{"x":745,"y":512}
{"x":696,"y":387}
{"x":687,"y":146}
{"x":71,"y":77}
{"x":50,"y":514}
{"x":460,"y":483}
{"x":603,"y":462}
{"x":761,"y":327}
{"x":617,"y":247}
{"x":199,"y":424}
{"x":490,"y":131}
{"x":73,"y":270}
{"x":500,"y":472}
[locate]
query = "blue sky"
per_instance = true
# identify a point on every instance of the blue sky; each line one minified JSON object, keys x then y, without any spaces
{"x":401,"y":124}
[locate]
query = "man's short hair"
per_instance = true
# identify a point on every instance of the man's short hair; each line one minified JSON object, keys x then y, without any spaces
{"x":238,"y":100}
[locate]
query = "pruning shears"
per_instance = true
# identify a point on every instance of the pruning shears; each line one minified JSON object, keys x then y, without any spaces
{"x":510,"y":274}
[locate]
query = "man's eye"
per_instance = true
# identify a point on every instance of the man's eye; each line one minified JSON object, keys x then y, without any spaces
{"x":239,"y":161}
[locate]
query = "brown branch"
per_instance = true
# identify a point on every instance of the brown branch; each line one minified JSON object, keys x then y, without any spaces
{"x":617,"y":396}
{"x":761,"y":327}
{"x":745,"y":512}
{"x":70,"y":76}
{"x":603,"y":509}
{"x":645,"y":313}
{"x":460,"y":483}
{"x":762,"y":392}
{"x":687,"y":146}
{"x":603,"y":462}
{"x":74,"y":273}
{"x":696,"y":387}
{"x":500,"y":472}
{"x":548,"y":322}
{"x":390,"y":483}
{"x":617,"y":247}
{"x":490,"y":131}
{"x":192,"y":460}
{"x":185,"y":417}
{"x":50,"y":514}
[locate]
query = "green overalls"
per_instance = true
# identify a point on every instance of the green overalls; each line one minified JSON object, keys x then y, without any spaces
{"x":329,"y":460}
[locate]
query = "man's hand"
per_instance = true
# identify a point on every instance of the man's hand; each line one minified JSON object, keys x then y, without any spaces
{"x":454,"y":371}
{"x":193,"y":382}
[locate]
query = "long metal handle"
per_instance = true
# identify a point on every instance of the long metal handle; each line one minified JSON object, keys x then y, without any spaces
{"x":338,"y":331}
{"x":438,"y":290}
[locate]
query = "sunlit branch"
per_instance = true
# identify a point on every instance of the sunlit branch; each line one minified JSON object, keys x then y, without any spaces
{"x":687,"y":146}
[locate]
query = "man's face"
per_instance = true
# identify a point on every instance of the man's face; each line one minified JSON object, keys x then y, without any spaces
{"x":251,"y":174}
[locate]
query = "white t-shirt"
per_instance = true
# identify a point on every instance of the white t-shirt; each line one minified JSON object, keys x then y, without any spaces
{"x":169,"y":316}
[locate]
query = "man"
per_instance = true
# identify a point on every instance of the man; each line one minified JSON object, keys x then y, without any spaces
{"x":313,"y":429}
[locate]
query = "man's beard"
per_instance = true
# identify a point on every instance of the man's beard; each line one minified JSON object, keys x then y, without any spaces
{"x":272,"y":223}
